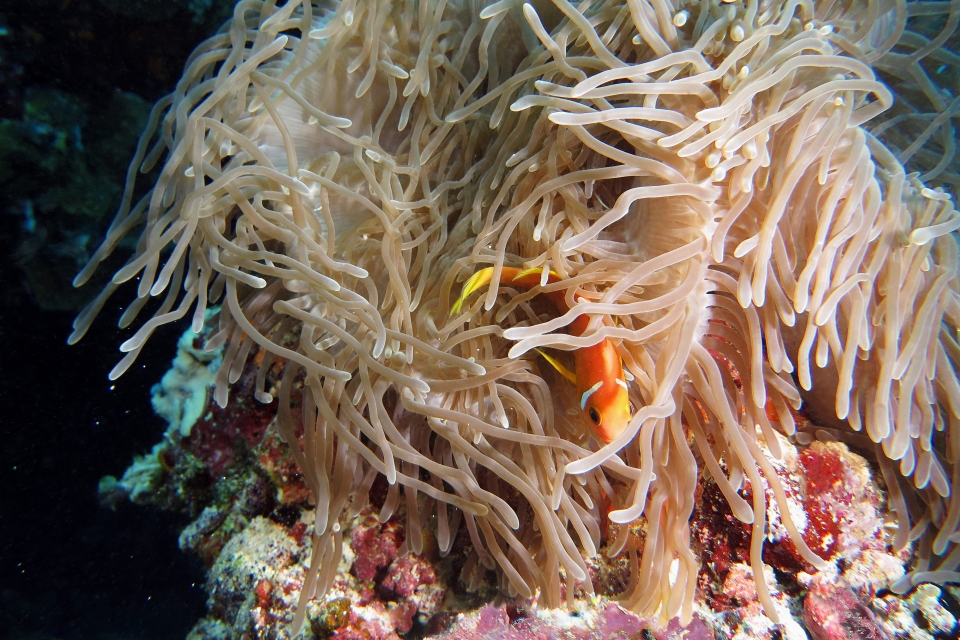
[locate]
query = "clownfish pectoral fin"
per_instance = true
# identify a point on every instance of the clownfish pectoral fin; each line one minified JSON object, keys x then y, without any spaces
{"x":473,"y":283}
{"x":566,"y":373}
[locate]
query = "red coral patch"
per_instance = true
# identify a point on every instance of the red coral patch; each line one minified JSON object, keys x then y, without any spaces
{"x":215,"y":437}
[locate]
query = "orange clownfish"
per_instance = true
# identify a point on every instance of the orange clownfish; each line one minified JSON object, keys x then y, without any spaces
{"x":599,"y":376}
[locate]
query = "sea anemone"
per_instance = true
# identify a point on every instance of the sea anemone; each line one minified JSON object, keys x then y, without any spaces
{"x":702,"y":177}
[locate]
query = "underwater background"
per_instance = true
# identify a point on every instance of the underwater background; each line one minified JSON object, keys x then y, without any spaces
{"x":77,"y":79}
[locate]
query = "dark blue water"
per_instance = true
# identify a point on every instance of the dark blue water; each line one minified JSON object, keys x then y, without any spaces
{"x":70,"y":568}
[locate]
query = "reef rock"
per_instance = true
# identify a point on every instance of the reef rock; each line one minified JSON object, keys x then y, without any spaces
{"x":253,"y":527}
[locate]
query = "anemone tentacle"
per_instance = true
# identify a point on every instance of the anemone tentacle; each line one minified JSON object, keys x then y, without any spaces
{"x":745,"y":208}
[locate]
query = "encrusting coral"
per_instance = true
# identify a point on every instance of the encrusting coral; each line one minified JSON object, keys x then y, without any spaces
{"x":702,"y":177}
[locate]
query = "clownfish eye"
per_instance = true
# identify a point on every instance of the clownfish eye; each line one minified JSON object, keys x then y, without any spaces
{"x":594,"y":415}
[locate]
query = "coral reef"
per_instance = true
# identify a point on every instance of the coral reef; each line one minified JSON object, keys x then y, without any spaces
{"x":836,"y":614}
{"x":253,"y":528}
{"x":591,"y":620}
{"x":183,"y":393}
{"x":929,"y":612}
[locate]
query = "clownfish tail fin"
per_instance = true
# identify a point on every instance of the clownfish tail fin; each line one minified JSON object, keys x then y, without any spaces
{"x":475,"y":282}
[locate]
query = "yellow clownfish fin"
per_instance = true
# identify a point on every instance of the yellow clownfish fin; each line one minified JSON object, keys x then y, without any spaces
{"x":566,"y":373}
{"x":473,"y":283}
{"x":527,"y":272}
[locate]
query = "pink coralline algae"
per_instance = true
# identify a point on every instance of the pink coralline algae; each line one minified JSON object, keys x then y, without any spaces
{"x":376,"y":546}
{"x":381,"y":574}
{"x":405,"y":575}
{"x":392,"y":588}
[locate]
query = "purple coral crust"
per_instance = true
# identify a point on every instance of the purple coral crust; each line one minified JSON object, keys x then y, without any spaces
{"x":835,"y":613}
{"x":605,"y":621}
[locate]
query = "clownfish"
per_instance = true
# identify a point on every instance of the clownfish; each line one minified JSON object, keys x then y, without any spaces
{"x":599,"y":375}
